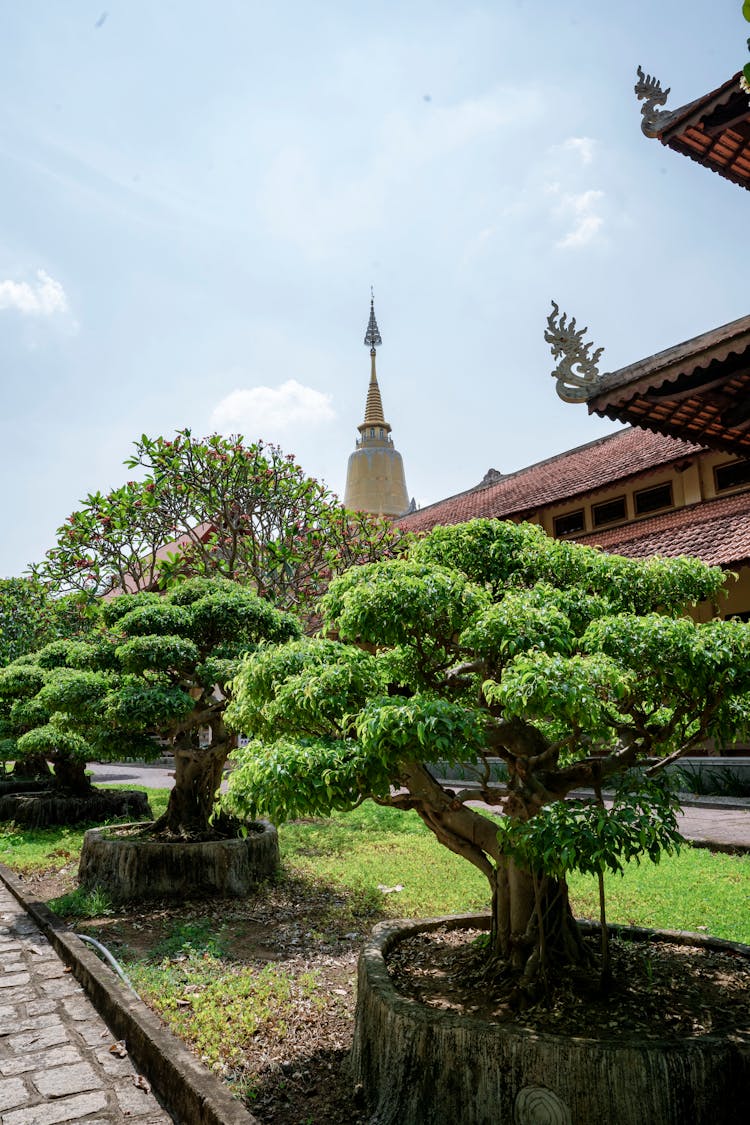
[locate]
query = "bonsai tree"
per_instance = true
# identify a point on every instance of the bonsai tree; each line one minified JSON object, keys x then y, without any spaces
{"x":30,"y":617}
{"x":158,"y":674}
{"x":495,"y":644}
{"x":214,"y":507}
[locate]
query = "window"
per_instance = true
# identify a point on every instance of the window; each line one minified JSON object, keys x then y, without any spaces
{"x":653,"y":499}
{"x":732,"y":475}
{"x":612,"y":511}
{"x":569,"y":524}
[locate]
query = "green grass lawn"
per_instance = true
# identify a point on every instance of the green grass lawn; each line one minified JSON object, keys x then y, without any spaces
{"x":374,"y":848}
{"x":49,"y":849}
{"x":696,"y":890}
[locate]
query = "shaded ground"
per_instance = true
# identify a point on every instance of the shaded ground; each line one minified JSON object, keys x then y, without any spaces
{"x":295,"y":1069}
{"x":295,"y":1074}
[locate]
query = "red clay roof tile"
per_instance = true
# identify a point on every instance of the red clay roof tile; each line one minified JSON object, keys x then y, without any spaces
{"x":717,"y":531}
{"x":577,"y":472}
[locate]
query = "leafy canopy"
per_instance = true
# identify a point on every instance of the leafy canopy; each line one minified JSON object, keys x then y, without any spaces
{"x":31,"y":617}
{"x":493,"y":641}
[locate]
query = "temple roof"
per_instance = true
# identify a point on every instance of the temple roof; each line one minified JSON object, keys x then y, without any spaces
{"x":578,"y":472}
{"x":713,"y":130}
{"x":717,"y":531}
{"x":698,"y":390}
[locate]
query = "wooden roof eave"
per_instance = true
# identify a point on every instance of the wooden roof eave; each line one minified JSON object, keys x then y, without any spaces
{"x":677,"y":120}
{"x":616,"y":387}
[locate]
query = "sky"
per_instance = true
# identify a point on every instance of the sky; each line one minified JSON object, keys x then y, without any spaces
{"x":196,"y":197}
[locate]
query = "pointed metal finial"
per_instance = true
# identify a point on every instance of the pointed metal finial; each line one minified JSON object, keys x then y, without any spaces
{"x":372,"y":335}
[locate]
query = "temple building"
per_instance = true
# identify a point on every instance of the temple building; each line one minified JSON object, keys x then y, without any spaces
{"x":713,"y":130}
{"x":375,"y":479}
{"x":678,"y":481}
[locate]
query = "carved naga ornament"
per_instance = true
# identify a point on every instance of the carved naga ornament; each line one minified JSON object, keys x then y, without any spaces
{"x":577,"y":372}
{"x":648,"y":90}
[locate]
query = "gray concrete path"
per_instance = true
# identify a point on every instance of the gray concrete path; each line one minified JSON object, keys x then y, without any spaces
{"x":721,"y":827}
{"x":55,"y":1059}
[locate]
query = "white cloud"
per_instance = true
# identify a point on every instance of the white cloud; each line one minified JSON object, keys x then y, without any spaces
{"x":583,"y":146}
{"x":552,"y":207}
{"x":44,"y":298}
{"x":586,"y":231}
{"x":587,"y":223}
{"x":272,"y":412}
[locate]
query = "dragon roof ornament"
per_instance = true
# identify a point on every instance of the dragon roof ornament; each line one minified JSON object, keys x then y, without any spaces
{"x":577,"y":372}
{"x":648,"y":90}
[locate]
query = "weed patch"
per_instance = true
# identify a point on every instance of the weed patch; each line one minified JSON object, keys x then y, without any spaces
{"x":218,"y":1008}
{"x":81,"y":903}
{"x":189,"y":939}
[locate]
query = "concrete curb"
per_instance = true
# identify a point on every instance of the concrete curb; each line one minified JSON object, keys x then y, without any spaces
{"x":186,"y":1088}
{"x":719,"y":846}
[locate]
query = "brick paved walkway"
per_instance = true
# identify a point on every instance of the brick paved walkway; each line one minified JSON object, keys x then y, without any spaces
{"x":55,"y":1058}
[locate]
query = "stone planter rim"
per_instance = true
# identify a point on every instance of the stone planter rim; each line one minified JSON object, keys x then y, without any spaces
{"x":118,"y":833}
{"x":132,"y":867}
{"x":386,"y":935}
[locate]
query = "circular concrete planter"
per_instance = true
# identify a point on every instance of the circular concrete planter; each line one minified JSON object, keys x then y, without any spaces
{"x":50,"y":806}
{"x":418,"y":1065}
{"x":135,"y":867}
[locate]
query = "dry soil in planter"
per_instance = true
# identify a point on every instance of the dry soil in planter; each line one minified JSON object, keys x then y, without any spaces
{"x":434,"y":1046}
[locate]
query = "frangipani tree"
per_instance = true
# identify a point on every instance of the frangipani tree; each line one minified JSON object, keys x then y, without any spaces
{"x":216,"y":507}
{"x":158,"y":673}
{"x":492,"y":641}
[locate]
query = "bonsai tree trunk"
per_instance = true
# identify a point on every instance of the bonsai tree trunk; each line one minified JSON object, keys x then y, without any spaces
{"x":198,"y":774}
{"x":32,"y":766}
{"x":532,"y":924}
{"x":70,"y":774}
{"x":533,"y":928}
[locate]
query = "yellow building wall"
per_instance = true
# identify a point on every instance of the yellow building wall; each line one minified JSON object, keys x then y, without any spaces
{"x":693,"y":481}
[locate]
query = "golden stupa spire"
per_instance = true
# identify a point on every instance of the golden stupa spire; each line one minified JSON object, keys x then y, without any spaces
{"x":375,"y":473}
{"x":374,"y":406}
